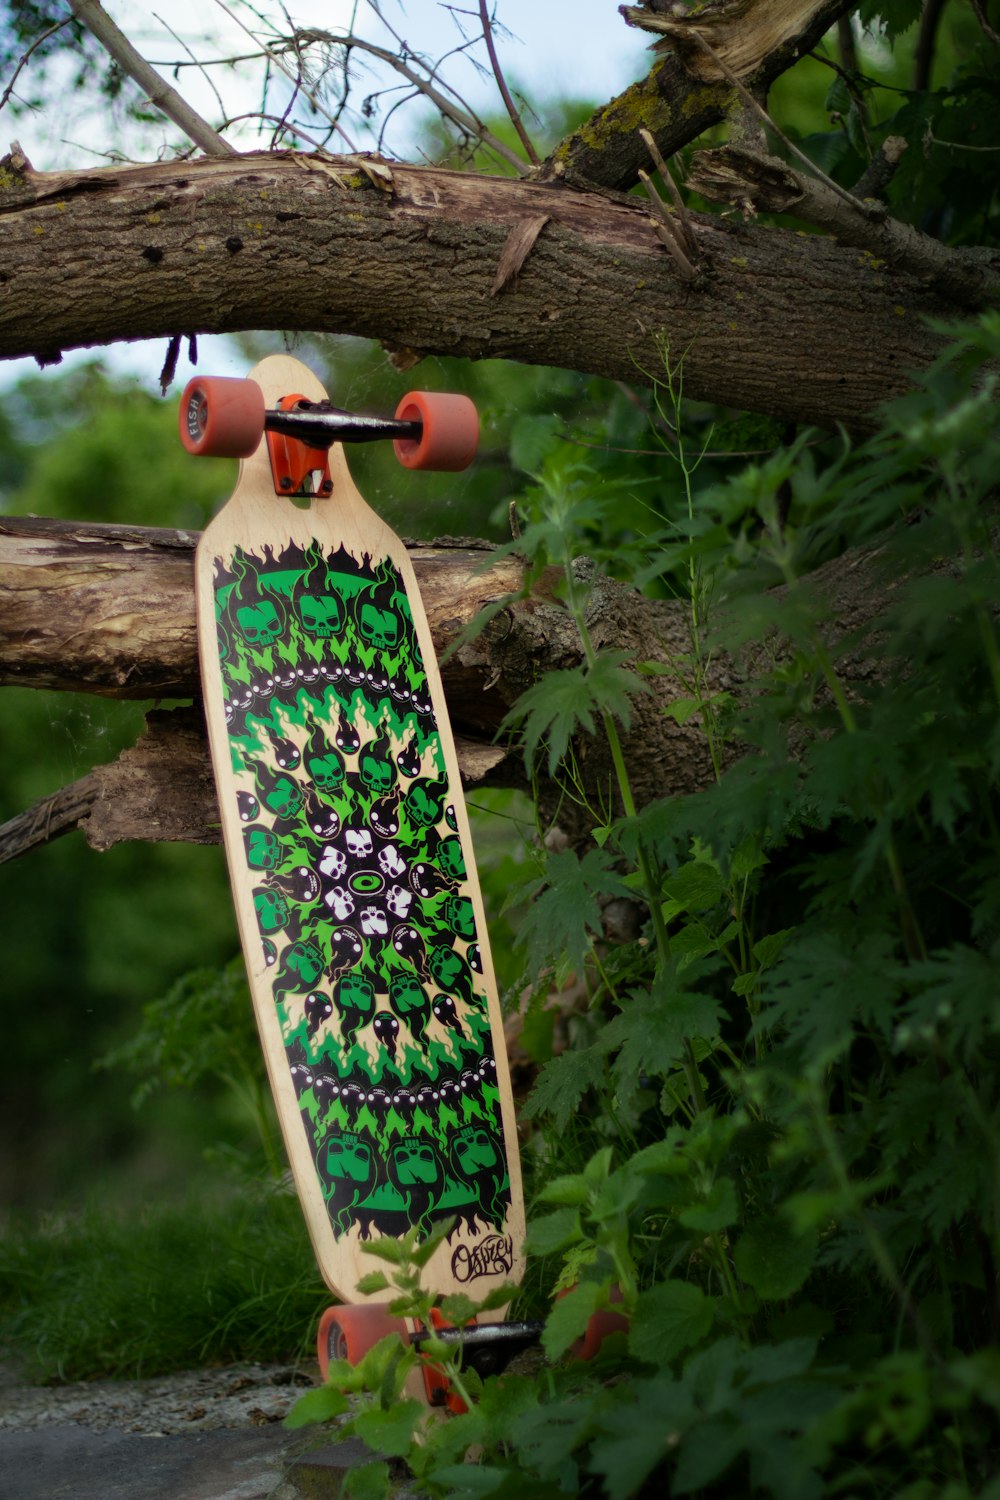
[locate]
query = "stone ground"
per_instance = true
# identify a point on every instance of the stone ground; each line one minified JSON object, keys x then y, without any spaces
{"x":206,"y":1435}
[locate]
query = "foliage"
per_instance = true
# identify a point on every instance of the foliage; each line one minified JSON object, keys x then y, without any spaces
{"x":159,"y":1288}
{"x":91,"y":937}
{"x":785,"y":1153}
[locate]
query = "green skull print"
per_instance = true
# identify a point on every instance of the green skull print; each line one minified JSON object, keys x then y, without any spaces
{"x":361,"y":890}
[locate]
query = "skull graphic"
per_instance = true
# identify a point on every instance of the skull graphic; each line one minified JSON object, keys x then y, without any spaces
{"x":399,"y":900}
{"x":340,"y":902}
{"x":390,"y":862}
{"x":359,"y":843}
{"x":259,"y":624}
{"x":333,"y":862}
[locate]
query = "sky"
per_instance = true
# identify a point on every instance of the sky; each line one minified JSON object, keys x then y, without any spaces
{"x":564,"y":47}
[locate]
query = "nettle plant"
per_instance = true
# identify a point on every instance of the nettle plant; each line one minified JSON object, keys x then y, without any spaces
{"x":775,"y":1144}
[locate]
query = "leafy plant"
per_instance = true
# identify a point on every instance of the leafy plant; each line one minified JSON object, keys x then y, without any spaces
{"x":776,"y":1147}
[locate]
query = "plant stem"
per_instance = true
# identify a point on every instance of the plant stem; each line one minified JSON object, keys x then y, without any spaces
{"x":879,"y":1250}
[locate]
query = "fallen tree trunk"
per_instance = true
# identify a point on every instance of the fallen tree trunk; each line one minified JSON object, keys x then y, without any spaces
{"x":774,"y":322}
{"x":110,"y":610}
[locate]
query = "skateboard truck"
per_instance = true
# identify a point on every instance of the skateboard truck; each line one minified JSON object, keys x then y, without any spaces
{"x":226,"y":418}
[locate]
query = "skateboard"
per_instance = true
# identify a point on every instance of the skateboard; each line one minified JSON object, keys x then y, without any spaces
{"x":349,"y":854}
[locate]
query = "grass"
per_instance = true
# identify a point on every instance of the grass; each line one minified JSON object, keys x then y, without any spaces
{"x":166,"y":1287}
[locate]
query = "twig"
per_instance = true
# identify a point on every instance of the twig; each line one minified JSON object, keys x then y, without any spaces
{"x":881,"y":169}
{"x":666,"y":176}
{"x":512,"y":110}
{"x":667,"y":231}
{"x":274,"y":57}
{"x":979,"y":10}
{"x":847,"y":44}
{"x":464,"y":120}
{"x":280,"y":124}
{"x":25,"y":55}
{"x":194,"y":62}
{"x":692,"y":33}
{"x":923,"y":59}
{"x":156,"y":89}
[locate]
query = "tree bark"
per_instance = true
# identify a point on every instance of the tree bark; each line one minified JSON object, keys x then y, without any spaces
{"x":110,"y":610}
{"x":680,"y":98}
{"x":790,"y":325}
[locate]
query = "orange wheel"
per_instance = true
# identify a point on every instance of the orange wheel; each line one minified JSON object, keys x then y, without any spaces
{"x":600,"y":1325}
{"x":221,"y":417}
{"x":450,"y":436}
{"x":349,"y":1332}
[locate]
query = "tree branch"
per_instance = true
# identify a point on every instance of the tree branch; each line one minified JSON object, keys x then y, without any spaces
{"x":291,"y":241}
{"x":157,"y":90}
{"x":735,"y":176}
{"x":501,"y":82}
{"x":677,"y":104}
{"x":110,"y":610}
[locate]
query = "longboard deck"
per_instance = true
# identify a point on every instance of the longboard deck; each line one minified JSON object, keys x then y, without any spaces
{"x":353,"y":880}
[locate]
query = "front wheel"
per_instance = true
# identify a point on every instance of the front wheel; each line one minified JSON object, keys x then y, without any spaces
{"x":349,"y":1332}
{"x":450,"y":433}
{"x":221,"y":417}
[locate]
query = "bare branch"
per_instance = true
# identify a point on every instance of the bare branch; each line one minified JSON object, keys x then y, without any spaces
{"x":274,"y":57}
{"x":678,"y":105}
{"x":979,"y":10}
{"x":691,"y":34}
{"x":669,"y":234}
{"x":593,"y":296}
{"x":22,"y":60}
{"x":194,"y":62}
{"x":157,"y":90}
{"x":732,"y":175}
{"x":464,"y":119}
{"x":512,"y":110}
{"x":690,"y":239}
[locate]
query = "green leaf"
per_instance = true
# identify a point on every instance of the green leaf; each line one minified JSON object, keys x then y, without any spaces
{"x":375,"y":1281}
{"x":653,"y":1028}
{"x":683,"y":709}
{"x":573,"y":1191}
{"x":554,"y":1233}
{"x":563,"y":1082}
{"x":564,"y":916}
{"x":317,"y":1406}
{"x":697,"y":886}
{"x":767,"y":948}
{"x":390,"y":1432}
{"x":368,"y":1482}
{"x":384,"y":1248}
{"x":569,"y":1317}
{"x":669,"y":1318}
{"x":458,"y":1309}
{"x":477,"y":1481}
{"x":706,"y":1452}
{"x":641,"y":1430}
{"x":895,"y":15}
{"x":772,"y":1258}
{"x":532,"y":438}
{"x":570,"y":700}
{"x":716,"y":1211}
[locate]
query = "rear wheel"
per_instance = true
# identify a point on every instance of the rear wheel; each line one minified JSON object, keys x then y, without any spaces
{"x":349,"y":1332}
{"x":221,"y":417}
{"x":600,"y":1325}
{"x":450,"y":433}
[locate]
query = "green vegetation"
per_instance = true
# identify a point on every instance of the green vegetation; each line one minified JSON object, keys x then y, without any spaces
{"x":777,"y":1135}
{"x":773,"y":1140}
{"x":165,"y":1286}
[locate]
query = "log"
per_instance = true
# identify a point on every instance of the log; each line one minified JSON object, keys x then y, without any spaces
{"x":777,"y":322}
{"x":110,"y":610}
